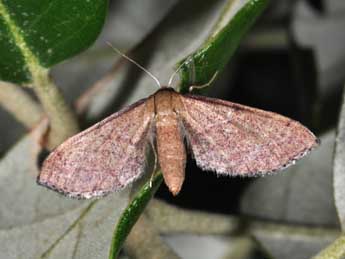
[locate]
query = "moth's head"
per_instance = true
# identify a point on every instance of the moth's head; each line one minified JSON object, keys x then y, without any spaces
{"x":166,"y":88}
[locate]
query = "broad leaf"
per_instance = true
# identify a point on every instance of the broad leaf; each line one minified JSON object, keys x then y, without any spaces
{"x":287,"y":245}
{"x":23,"y":201}
{"x":301,"y":195}
{"x":38,"y":223}
{"x":41,"y":33}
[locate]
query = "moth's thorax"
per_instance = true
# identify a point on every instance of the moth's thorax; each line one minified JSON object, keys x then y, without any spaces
{"x":170,"y":146}
{"x":166,"y":101}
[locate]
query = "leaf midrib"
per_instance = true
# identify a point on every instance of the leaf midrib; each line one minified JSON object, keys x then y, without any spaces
{"x":32,"y":63}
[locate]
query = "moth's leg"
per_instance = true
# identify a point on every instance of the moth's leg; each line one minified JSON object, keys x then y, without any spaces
{"x":192,"y":87}
{"x":155,"y":163}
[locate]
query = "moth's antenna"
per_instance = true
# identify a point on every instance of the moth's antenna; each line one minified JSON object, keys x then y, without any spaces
{"x":136,"y":63}
{"x":175,"y":73}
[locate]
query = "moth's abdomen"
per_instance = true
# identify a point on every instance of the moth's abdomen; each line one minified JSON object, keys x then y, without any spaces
{"x":171,"y":151}
{"x":170,"y":145}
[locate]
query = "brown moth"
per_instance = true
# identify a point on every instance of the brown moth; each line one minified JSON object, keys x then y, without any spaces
{"x":225,"y":137}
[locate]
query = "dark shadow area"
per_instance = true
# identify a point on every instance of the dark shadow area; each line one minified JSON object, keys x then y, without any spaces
{"x":42,"y":156}
{"x":206,"y":191}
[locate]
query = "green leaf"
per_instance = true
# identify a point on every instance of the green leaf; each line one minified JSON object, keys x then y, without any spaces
{"x":38,"y":34}
{"x":199,"y":67}
{"x":131,"y":214}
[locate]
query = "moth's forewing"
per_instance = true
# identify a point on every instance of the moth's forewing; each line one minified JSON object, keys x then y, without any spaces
{"x":233,"y":139}
{"x":104,"y":158}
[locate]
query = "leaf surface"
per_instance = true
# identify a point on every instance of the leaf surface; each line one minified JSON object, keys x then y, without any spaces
{"x":339,"y":168}
{"x":131,"y":214}
{"x":300,"y":195}
{"x":237,"y":17}
{"x":42,"y":33}
{"x":38,"y":223}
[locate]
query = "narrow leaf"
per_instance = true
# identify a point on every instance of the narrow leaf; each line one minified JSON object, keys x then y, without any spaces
{"x":131,"y":214}
{"x":215,"y":53}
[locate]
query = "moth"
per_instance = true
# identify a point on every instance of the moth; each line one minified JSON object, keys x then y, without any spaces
{"x":224,"y":137}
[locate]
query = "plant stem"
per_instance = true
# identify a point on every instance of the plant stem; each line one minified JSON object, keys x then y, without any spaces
{"x":17,"y":102}
{"x":242,"y":248}
{"x":336,"y":250}
{"x":170,"y":219}
{"x":63,"y":122}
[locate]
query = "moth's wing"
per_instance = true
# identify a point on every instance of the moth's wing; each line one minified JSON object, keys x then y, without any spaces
{"x":104,"y":158}
{"x":233,"y":139}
